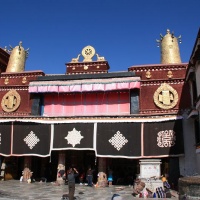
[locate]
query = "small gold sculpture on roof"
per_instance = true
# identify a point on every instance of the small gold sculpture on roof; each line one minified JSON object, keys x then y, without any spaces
{"x":76,"y":59}
{"x":88,"y":53}
{"x":100,"y":58}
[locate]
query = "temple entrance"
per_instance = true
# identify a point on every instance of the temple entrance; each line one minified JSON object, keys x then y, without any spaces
{"x":47,"y":167}
{"x":80,"y":159}
{"x":9,"y":168}
{"x":124,"y":171}
{"x":44,"y":168}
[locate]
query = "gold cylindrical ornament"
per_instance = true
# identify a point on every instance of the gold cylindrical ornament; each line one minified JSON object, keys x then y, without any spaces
{"x":170,"y":53}
{"x":17,"y":59}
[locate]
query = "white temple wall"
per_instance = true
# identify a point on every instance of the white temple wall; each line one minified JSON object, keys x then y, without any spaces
{"x":197,"y":74}
{"x":188,"y":164}
{"x":198,"y":161}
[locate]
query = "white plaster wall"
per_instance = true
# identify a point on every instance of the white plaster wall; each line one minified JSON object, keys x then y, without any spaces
{"x":198,"y":162}
{"x":188,"y":164}
{"x":197,"y":73}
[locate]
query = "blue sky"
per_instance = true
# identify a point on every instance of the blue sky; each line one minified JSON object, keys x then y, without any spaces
{"x":123,"y":31}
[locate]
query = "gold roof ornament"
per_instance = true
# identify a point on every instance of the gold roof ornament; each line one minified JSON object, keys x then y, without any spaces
{"x":100,"y":58}
{"x":17,"y":58}
{"x":170,"y":53}
{"x":6,"y":50}
{"x":88,"y":53}
{"x":74,"y":60}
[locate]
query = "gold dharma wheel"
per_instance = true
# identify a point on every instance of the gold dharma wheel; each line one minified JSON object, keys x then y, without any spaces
{"x":88,"y":52}
{"x":11,"y":101}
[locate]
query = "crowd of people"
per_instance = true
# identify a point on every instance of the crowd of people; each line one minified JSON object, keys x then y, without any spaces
{"x":139,"y":188}
{"x":72,"y":176}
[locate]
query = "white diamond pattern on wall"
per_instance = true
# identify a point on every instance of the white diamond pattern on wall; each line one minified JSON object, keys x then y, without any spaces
{"x":31,"y":140}
{"x":74,"y":137}
{"x":118,"y":140}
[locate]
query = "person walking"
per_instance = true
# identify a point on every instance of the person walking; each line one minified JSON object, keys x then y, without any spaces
{"x":89,"y":176}
{"x":72,"y":174}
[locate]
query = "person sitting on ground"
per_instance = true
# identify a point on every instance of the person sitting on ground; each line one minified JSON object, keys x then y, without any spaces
{"x":166,"y":187}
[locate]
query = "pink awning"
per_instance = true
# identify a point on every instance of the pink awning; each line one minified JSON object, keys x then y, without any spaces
{"x":64,"y":88}
{"x":84,"y":85}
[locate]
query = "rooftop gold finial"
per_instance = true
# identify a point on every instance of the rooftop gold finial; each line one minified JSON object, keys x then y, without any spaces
{"x":5,"y":49}
{"x":169,"y":48}
{"x":17,"y":58}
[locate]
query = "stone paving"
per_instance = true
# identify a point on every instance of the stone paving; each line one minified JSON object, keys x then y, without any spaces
{"x":14,"y":189}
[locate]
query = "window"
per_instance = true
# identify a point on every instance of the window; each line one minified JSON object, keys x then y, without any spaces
{"x":134,"y":99}
{"x":88,"y":104}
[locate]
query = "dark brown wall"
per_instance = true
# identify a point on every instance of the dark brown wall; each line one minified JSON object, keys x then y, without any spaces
{"x":20,"y":83}
{"x":147,"y":102}
{"x":87,"y":67}
{"x":4,"y":57}
{"x":159,"y":74}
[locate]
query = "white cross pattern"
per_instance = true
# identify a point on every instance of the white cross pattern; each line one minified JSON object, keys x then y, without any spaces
{"x":118,"y":140}
{"x":31,"y":140}
{"x":74,"y":137}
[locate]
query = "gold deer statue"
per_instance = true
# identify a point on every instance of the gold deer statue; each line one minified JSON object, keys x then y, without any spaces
{"x":76,"y":59}
{"x":100,"y":58}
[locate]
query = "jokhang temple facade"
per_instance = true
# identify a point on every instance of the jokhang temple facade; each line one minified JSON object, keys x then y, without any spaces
{"x":92,"y":117}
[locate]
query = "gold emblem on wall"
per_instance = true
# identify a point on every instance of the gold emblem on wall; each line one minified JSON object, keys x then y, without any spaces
{"x":6,"y":81}
{"x":148,"y":74}
{"x":10,"y":101}
{"x":169,"y":74}
{"x":24,"y":80}
{"x":85,"y":67}
{"x":165,"y":97}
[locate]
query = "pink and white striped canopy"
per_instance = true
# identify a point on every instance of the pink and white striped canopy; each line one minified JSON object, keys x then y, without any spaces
{"x":84,"y":85}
